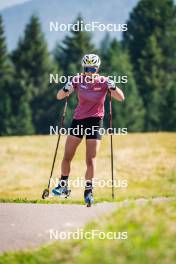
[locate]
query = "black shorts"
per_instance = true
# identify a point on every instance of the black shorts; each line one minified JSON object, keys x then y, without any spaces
{"x":88,"y":126}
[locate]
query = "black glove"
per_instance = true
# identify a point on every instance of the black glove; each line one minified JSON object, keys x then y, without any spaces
{"x":68,"y":86}
{"x":111,"y":85}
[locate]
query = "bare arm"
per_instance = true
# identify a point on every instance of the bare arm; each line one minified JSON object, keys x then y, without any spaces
{"x":62,"y":93}
{"x":118,"y":94}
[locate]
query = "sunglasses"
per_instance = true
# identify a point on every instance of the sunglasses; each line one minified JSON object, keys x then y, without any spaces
{"x":90,"y":69}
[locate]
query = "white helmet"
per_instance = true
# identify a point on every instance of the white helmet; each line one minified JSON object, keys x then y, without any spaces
{"x":91,"y":60}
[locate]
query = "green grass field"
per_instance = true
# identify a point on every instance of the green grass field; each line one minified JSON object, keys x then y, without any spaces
{"x":146,"y":161}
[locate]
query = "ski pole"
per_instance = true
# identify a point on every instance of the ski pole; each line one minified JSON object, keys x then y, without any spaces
{"x":46,"y":191}
{"x":112,"y":158}
{"x":59,"y":136}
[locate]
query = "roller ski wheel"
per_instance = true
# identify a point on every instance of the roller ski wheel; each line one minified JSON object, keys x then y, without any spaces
{"x":67,"y":193}
{"x":45,"y":194}
{"x":88,"y":204}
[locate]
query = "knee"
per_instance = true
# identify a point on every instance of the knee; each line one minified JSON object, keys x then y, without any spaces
{"x":66,"y":159}
{"x":90,"y":162}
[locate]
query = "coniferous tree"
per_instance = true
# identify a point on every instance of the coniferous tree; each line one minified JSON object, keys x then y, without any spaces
{"x":21,"y":111}
{"x":33,"y":65}
{"x":104,"y":45}
{"x":5,"y":84}
{"x":153,"y":76}
{"x":151,"y":42}
{"x":129,"y":113}
{"x":73,"y":48}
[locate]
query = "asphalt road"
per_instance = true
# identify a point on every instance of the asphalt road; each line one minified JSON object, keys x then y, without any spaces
{"x":25,"y":226}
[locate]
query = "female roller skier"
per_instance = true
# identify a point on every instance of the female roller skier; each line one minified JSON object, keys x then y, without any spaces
{"x":91,"y":90}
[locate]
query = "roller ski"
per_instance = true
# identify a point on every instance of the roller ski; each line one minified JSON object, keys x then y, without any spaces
{"x":61,"y":189}
{"x":88,"y":195}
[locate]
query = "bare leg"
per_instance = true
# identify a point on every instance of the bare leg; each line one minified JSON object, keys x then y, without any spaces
{"x":71,"y":145}
{"x":92,"y":147}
